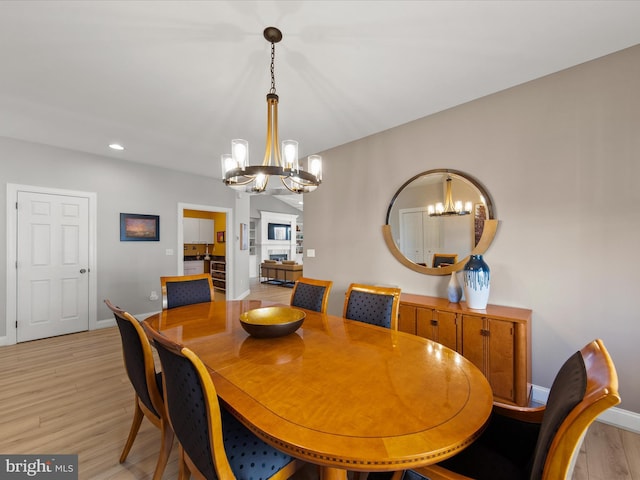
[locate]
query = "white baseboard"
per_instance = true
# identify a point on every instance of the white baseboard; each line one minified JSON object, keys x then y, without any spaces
{"x":144,"y":316}
{"x":243,"y":295}
{"x":107,"y":322}
{"x":111,"y":322}
{"x":615,"y":416}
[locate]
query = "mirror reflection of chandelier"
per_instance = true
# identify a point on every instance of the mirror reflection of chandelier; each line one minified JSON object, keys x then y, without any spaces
{"x":449,"y":207}
{"x":238,"y":174}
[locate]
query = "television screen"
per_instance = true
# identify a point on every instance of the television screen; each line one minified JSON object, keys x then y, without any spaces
{"x":278,"y":231}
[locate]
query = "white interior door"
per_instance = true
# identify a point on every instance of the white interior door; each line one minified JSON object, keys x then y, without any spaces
{"x":411,"y":235}
{"x":52,"y":265}
{"x":432,"y":237}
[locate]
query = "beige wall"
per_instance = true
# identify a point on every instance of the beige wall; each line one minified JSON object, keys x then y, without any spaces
{"x":561,"y":158}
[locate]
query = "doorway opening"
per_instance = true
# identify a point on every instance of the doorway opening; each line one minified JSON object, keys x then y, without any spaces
{"x":204,"y":245}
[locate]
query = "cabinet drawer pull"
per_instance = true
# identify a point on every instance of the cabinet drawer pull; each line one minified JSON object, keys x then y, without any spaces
{"x":484,"y":332}
{"x":434,"y":323}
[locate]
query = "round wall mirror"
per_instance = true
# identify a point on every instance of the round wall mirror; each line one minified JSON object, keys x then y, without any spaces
{"x":437,"y":219}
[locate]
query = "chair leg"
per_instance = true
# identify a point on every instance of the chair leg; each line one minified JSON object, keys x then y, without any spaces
{"x":183,"y":471}
{"x":138,"y":415}
{"x":165,"y":449}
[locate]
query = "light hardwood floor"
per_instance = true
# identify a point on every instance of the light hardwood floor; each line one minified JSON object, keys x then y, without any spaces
{"x":70,"y":394}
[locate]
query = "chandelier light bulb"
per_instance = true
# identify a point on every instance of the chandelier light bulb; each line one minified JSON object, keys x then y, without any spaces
{"x":240,"y":152}
{"x":261,"y":182}
{"x":290,"y":152}
{"x":227,"y":163}
{"x":315,"y":166}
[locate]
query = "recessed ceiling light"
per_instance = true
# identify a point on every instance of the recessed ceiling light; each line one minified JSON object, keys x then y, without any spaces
{"x":116,"y":146}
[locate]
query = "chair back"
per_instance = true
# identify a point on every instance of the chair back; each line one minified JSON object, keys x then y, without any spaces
{"x":138,"y":360}
{"x":206,"y":431}
{"x":186,"y":290}
{"x":585,"y":386}
{"x":372,"y":304}
{"x":195,"y":419}
{"x":444,"y":259}
{"x":311,"y":294}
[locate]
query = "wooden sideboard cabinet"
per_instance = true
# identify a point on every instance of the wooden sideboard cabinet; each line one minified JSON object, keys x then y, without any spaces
{"x":497,"y":340}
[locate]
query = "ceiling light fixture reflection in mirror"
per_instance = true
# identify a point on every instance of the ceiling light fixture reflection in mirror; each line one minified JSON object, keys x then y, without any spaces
{"x":437,"y":219}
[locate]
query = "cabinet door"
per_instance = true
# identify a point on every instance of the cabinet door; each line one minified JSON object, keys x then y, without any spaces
{"x":407,"y":319}
{"x":473,"y":340}
{"x":488,"y":343}
{"x":191,"y":230}
{"x":500,"y":371}
{"x":439,"y":326}
{"x":193,"y":267}
{"x":425,"y":323}
{"x":447,"y":329}
{"x":205,"y":229}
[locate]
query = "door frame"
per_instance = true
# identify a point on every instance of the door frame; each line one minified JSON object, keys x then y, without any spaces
{"x":230,"y":235}
{"x":10,"y":337}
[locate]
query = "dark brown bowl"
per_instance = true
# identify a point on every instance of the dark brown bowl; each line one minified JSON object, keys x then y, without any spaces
{"x":270,"y":322}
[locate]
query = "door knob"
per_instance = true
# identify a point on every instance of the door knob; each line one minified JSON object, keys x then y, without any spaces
{"x":83,"y":270}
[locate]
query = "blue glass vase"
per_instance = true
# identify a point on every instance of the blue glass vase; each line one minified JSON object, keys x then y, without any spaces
{"x":476,"y":282}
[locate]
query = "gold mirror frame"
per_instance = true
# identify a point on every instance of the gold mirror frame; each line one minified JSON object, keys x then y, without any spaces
{"x":488,"y":232}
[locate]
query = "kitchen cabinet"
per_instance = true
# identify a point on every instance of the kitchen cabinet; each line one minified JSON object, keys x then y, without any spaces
{"x":193,"y":267}
{"x":197,"y":230}
{"x":497,"y":340}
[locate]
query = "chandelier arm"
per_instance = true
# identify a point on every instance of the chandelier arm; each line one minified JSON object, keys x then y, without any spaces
{"x":289,"y":187}
{"x":238,"y":173}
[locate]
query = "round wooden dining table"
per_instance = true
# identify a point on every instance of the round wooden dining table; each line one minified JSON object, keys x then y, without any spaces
{"x":338,"y":393}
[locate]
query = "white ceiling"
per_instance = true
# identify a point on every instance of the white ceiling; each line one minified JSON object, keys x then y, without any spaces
{"x":175,"y":81}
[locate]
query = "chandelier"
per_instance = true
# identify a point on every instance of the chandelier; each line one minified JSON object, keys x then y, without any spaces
{"x":450,"y":207}
{"x":238,"y":174}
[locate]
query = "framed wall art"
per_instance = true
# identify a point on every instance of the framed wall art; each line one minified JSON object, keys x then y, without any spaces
{"x":220,"y":237}
{"x":479,"y":216}
{"x":139,"y":228}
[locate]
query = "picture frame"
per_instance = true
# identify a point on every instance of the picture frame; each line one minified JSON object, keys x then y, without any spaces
{"x":244,"y":238}
{"x":479,"y":216}
{"x":220,"y":237}
{"x":136,"y":227}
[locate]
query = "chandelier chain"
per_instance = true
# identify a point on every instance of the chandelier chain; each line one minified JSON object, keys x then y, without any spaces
{"x":273,"y":76}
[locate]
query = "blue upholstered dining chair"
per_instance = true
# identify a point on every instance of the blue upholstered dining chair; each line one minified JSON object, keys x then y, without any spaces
{"x":311,"y":294}
{"x":186,"y":290}
{"x":213,"y":443}
{"x":372,"y":304}
{"x":536,"y":443}
{"x":147,"y":384}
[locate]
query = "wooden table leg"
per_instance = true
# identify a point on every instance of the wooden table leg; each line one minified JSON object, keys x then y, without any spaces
{"x":332,"y":473}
